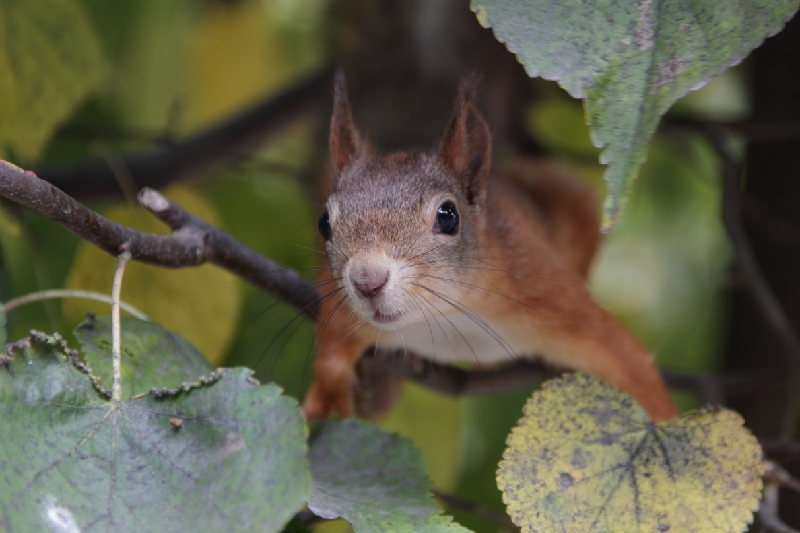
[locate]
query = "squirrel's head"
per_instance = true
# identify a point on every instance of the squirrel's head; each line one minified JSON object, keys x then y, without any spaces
{"x":400,"y":228}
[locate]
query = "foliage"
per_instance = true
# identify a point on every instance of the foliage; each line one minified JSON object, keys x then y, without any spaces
{"x":152,"y":357}
{"x":50,"y":61}
{"x":230,"y":453}
{"x":585,"y":457}
{"x":630,"y":61}
{"x":221,"y":454}
{"x":375,"y":480}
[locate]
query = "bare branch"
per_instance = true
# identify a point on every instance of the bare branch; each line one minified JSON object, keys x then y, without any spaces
{"x":192,"y":243}
{"x":768,"y":515}
{"x":235,"y":138}
{"x":757,"y":285}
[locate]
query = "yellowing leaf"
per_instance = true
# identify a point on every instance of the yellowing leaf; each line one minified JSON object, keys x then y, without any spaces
{"x":585,"y":457}
{"x":49,"y":61}
{"x":201,"y":304}
{"x":237,"y":57}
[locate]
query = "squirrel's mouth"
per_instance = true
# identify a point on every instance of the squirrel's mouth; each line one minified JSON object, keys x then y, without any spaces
{"x":386,"y":318}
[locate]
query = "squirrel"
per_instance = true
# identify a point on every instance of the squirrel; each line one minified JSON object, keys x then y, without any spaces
{"x":438,"y":255}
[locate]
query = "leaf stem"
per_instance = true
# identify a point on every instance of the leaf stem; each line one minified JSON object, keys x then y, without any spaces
{"x":69,"y":293}
{"x":116,"y":349}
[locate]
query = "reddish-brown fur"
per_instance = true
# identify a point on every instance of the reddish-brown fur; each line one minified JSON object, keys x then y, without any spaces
{"x":514,"y":273}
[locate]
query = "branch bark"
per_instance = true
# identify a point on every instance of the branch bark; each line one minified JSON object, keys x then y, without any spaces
{"x":192,"y":243}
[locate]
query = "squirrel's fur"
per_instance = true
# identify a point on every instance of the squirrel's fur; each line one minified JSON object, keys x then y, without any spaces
{"x":508,"y":283}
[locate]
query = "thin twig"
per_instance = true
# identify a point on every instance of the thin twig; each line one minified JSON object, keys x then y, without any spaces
{"x":69,"y":293}
{"x":235,"y":138}
{"x":456,"y":502}
{"x":116,"y":333}
{"x":768,"y":515}
{"x":775,"y":473}
{"x":757,"y":285}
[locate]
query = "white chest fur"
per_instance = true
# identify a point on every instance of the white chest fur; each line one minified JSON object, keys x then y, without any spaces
{"x":458,"y":338}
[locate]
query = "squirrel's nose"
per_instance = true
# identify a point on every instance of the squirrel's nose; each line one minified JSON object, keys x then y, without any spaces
{"x":369,"y":283}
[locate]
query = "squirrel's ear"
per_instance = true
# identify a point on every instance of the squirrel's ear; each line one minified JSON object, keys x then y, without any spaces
{"x":346,"y":144}
{"x":466,"y":148}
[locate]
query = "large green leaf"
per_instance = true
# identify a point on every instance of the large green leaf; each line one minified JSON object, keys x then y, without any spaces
{"x":152,"y":357}
{"x":630,"y":60}
{"x":49,"y":61}
{"x":373,"y":479}
{"x":585,"y":457}
{"x":226,"y":456}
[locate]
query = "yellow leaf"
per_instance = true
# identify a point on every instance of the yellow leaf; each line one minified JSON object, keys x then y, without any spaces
{"x":237,"y":57}
{"x":49,"y":61}
{"x":585,"y":457}
{"x":201,"y":304}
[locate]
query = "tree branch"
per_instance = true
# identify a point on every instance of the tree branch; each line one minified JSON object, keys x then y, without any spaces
{"x":192,"y":243}
{"x":757,"y":285}
{"x":234,"y":138}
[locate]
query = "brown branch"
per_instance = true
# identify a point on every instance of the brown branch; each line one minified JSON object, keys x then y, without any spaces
{"x":755,"y":281}
{"x":192,"y":243}
{"x":235,"y":138}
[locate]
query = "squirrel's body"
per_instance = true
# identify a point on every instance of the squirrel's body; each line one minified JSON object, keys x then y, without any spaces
{"x":434,"y":256}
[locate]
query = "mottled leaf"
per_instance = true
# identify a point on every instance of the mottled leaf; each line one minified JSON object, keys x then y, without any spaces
{"x":630,"y":61}
{"x":585,"y":457}
{"x":373,"y":479}
{"x":201,"y":304}
{"x":151,"y":356}
{"x":223,"y":456}
{"x":49,"y":61}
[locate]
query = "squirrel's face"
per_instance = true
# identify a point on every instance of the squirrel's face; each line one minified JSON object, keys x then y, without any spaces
{"x":398,"y":231}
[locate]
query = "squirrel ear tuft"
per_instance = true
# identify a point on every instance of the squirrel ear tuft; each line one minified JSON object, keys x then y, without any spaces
{"x":466,"y":148}
{"x":346,"y":144}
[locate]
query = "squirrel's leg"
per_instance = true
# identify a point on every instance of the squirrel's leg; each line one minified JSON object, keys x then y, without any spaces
{"x":332,"y":391}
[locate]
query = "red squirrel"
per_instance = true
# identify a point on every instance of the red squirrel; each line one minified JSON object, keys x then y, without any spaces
{"x":438,"y":255}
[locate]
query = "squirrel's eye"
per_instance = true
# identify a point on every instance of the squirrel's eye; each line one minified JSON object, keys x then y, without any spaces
{"x":325,"y":226}
{"x":446,"y":219}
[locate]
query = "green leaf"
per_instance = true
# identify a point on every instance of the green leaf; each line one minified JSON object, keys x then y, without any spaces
{"x":373,"y":479}
{"x":630,"y":61}
{"x":49,"y":61}
{"x":585,"y":457}
{"x":151,"y":356}
{"x":227,"y":456}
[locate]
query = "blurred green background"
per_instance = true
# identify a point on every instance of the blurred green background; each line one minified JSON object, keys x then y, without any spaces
{"x":166,"y":69}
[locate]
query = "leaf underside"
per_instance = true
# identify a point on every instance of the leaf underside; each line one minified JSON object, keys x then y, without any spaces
{"x":229,"y":456}
{"x":630,"y":61}
{"x":585,"y":457}
{"x":373,"y":479}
